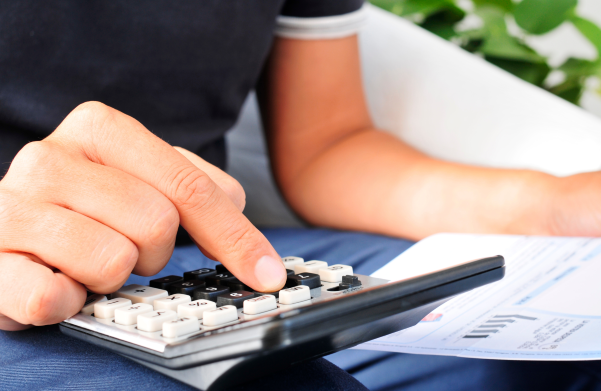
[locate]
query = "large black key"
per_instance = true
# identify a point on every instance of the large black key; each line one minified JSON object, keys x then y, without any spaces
{"x":220,"y":279}
{"x":164,"y":282}
{"x":308,"y":279}
{"x":199,"y":274}
{"x":237,"y":285}
{"x":209,"y":292}
{"x":185,"y":287}
{"x":349,"y":282}
{"x":221,"y":269}
{"x":289,"y":272}
{"x":234,"y":298}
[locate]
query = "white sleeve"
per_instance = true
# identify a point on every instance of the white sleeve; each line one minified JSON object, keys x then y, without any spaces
{"x":324,"y":27}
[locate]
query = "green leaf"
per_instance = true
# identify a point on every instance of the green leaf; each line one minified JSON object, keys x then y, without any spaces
{"x":542,"y":16}
{"x":442,"y":23}
{"x":499,"y":43}
{"x":412,"y":7}
{"x":590,"y":30}
{"x":570,"y":90}
{"x":532,"y":72}
{"x":578,"y":67}
{"x":505,"y":5}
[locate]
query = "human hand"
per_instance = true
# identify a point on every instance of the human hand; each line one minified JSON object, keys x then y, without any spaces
{"x":103,"y":197}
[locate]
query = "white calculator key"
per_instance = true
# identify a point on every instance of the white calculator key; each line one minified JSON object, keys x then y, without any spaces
{"x":153,"y":321}
{"x":88,"y":307}
{"x":171,"y":302}
{"x":140,"y":293}
{"x":310,"y":267}
{"x":334,"y":273}
{"x":260,"y":304}
{"x":195,"y":308}
{"x":295,"y":294}
{"x":221,"y":315}
{"x":106,"y":309}
{"x":126,"y":316}
{"x":290,"y":262}
{"x":180,"y":326}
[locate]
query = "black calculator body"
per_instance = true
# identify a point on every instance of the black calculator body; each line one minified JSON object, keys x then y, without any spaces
{"x":339,"y":311}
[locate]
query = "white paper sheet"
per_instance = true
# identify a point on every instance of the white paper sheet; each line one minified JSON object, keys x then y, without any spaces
{"x":548,"y":306}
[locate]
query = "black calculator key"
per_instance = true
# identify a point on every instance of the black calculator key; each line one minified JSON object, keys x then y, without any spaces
{"x":220,"y":279}
{"x":237,"y":285}
{"x":289,"y":272}
{"x":234,"y":298}
{"x":185,"y":287}
{"x":164,"y":282}
{"x":209,"y":292}
{"x":349,"y":282}
{"x":221,"y":269}
{"x":199,"y":274}
{"x":308,"y":279}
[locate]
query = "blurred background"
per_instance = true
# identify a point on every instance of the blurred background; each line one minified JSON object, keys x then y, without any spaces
{"x":554,"y":44}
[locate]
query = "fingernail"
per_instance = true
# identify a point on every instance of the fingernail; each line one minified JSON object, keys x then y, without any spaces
{"x":270,"y":273}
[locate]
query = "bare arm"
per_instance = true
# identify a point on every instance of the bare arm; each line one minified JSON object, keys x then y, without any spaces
{"x":335,"y":169}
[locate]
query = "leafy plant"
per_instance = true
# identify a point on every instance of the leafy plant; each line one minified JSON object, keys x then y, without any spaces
{"x":501,"y":37}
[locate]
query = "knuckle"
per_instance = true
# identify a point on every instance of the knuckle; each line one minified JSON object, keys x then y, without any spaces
{"x":40,"y":307}
{"x":192,"y":188}
{"x":235,"y":192}
{"x":35,"y":158}
{"x":90,"y":111}
{"x":117,"y":259}
{"x":236,"y":239}
{"x":164,"y":228}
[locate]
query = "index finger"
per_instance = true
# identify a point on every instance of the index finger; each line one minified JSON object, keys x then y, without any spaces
{"x":109,"y":137}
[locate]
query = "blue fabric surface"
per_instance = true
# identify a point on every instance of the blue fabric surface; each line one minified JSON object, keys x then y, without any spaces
{"x":43,"y":358}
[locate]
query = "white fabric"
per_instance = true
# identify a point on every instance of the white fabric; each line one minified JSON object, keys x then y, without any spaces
{"x":326,"y":27}
{"x":445,"y":102}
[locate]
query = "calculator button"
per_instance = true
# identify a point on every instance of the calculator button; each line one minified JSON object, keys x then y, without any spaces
{"x":237,"y":285}
{"x":210,"y":292}
{"x":195,"y":308}
{"x":153,"y":321}
{"x":140,"y":293}
{"x":219,"y":316}
{"x":295,"y":294}
{"x":349,"y":282}
{"x":334,"y":273}
{"x":290,"y":262}
{"x":309,"y":279}
{"x":88,"y":307}
{"x":220,"y":279}
{"x":260,"y":304}
{"x":220,"y":269}
{"x":199,"y":274}
{"x":106,"y":309}
{"x":186,"y":287}
{"x":126,"y":316}
{"x":310,"y":267}
{"x":180,"y":326}
{"x":171,"y":302}
{"x":235,"y":299}
{"x":164,"y":282}
{"x":289,"y":272}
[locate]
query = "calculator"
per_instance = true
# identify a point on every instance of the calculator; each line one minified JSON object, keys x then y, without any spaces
{"x":208,"y":329}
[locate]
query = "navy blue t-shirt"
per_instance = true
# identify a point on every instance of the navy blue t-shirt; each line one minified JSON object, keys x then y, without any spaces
{"x":183,"y":69}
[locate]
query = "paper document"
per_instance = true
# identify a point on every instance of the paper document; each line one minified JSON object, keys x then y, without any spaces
{"x":547,"y":307}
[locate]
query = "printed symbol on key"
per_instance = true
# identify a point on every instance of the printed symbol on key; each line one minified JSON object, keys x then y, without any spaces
{"x":211,"y":288}
{"x":335,"y":267}
{"x":133,"y":308}
{"x":173,"y":298}
{"x":235,"y":294}
{"x":301,"y":276}
{"x":221,"y":275}
{"x":187,"y":283}
{"x":113,"y":302}
{"x":159,"y":313}
{"x":140,"y":291}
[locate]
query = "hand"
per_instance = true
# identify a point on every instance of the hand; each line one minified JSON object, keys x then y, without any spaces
{"x":102,"y":197}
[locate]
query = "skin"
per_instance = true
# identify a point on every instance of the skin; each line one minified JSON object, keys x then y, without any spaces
{"x":102,"y":197}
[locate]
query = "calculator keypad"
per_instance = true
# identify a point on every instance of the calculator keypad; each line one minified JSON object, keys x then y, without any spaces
{"x":176,"y":307}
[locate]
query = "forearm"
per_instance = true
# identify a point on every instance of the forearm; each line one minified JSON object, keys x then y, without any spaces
{"x":373,"y":182}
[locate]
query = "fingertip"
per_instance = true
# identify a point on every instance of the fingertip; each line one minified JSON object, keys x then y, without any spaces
{"x":270,"y":273}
